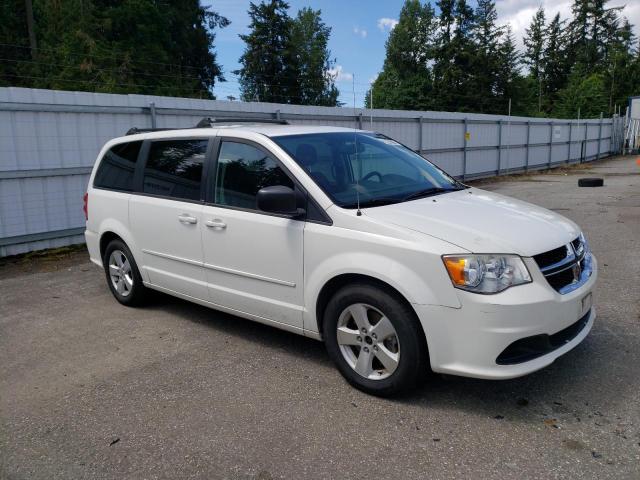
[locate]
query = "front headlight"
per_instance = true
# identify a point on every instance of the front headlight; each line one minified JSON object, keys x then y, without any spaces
{"x":486,"y":273}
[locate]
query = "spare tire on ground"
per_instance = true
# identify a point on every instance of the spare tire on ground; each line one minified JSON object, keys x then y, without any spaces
{"x":590,"y":182}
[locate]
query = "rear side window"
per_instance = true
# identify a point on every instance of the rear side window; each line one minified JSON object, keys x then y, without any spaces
{"x":117,"y":167}
{"x":174,"y":168}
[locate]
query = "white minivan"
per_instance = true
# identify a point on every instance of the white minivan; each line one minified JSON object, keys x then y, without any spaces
{"x":345,"y":236}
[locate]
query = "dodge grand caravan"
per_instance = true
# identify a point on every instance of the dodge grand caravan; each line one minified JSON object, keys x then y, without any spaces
{"x":344,"y":236}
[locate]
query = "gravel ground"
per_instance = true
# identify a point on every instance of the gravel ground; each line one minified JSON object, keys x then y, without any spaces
{"x":91,"y":389}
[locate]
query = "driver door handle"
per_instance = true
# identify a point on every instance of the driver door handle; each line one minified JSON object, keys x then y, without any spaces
{"x":216,"y":224}
{"x":186,"y":218}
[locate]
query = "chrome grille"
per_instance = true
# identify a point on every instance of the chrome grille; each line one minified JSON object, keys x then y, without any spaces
{"x":567,"y":267}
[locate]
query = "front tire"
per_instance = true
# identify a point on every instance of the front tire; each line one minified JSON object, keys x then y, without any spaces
{"x":123,"y":276}
{"x":375,"y":340}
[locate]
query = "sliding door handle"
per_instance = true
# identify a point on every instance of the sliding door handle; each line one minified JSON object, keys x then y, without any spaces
{"x":216,"y":224}
{"x":186,"y":218}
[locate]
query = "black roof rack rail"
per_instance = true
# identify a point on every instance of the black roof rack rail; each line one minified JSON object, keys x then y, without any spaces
{"x":209,"y":121}
{"x":135,"y":130}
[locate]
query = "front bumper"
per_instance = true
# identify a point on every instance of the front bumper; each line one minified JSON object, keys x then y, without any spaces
{"x":467,"y":341}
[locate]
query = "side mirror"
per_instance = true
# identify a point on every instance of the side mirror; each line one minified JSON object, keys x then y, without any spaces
{"x":280,"y":200}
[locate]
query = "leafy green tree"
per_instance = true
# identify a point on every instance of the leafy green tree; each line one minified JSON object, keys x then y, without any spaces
{"x":118,"y":47}
{"x":310,"y":60}
{"x":14,"y":45}
{"x":263,"y":76}
{"x":586,"y":94}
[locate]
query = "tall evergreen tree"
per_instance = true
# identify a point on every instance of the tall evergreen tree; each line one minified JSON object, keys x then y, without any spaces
{"x":406,"y":78}
{"x":488,"y":61}
{"x":510,"y":85}
{"x":446,"y":18}
{"x":486,"y":32}
{"x":310,"y":60}
{"x":555,"y":61}
{"x":263,"y":76}
{"x":534,"y":43}
{"x":454,"y":62}
{"x":619,"y":66}
{"x":287,"y":60}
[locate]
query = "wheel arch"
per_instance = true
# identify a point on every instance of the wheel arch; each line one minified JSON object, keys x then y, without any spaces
{"x":113,"y":232}
{"x":340,"y":281}
{"x":106,"y":238}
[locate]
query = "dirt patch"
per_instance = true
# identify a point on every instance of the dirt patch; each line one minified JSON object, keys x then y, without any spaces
{"x":50,"y":260}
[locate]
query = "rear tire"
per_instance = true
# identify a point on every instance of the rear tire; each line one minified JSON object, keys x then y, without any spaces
{"x":123,"y":277}
{"x":375,"y":340}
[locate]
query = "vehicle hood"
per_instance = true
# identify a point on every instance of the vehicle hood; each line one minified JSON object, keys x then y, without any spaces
{"x":481,"y":222}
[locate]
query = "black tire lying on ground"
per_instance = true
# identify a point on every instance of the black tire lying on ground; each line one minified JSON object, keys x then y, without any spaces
{"x":590,"y":182}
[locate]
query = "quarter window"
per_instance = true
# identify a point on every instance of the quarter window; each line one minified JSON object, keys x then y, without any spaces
{"x":174,"y":168}
{"x":242,"y":170}
{"x":118,"y":166}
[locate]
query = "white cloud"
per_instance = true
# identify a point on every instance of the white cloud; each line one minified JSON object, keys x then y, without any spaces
{"x":360,"y":32}
{"x":387,"y":24}
{"x":339,"y":75}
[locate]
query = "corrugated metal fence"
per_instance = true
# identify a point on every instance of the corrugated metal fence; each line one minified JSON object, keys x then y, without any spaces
{"x":49,"y":141}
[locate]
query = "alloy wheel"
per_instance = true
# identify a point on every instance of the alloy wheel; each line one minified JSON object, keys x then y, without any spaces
{"x":120,"y":273}
{"x":368,"y":341}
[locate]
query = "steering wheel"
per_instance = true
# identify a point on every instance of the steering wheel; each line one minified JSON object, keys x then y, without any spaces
{"x":371,"y":174}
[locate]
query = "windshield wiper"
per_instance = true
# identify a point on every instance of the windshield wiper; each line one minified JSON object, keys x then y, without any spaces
{"x":374,"y":202}
{"x":379,"y":202}
{"x":428,"y":191}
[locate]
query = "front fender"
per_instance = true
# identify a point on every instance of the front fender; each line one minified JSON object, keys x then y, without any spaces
{"x":420,"y":277}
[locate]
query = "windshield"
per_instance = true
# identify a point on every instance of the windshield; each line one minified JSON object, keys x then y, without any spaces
{"x":382,"y":170}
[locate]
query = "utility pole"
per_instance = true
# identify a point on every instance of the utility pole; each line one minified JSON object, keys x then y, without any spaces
{"x":30,"y":27}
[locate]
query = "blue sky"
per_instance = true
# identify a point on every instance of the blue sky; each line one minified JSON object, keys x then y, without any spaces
{"x":359,"y":31}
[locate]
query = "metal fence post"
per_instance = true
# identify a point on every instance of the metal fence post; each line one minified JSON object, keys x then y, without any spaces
{"x":499,"y":146}
{"x":278,"y":115}
{"x":360,"y":121}
{"x":599,"y":137}
{"x":583,"y":150}
{"x":420,"y":135}
{"x":464,"y":149}
{"x":526,"y":158}
{"x":550,"y":144}
{"x":152,"y":111}
{"x":570,"y":144}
